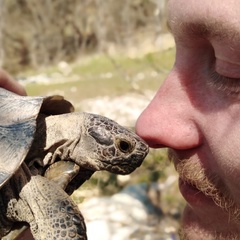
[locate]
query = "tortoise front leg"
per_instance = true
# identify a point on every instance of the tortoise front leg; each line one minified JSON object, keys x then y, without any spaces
{"x":48,"y":210}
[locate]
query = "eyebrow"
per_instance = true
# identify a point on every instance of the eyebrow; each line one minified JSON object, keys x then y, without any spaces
{"x":205,"y":29}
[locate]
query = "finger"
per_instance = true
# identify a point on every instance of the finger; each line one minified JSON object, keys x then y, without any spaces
{"x":25,"y":235}
{"x":10,"y":84}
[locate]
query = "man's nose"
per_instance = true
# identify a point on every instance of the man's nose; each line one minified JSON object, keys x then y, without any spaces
{"x":170,"y":118}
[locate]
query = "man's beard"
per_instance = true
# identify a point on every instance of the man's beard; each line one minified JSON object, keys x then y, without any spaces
{"x":193,"y":173}
{"x":184,"y":235}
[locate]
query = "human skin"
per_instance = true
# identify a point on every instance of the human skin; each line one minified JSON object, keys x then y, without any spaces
{"x":195,"y":113}
{"x":7,"y":82}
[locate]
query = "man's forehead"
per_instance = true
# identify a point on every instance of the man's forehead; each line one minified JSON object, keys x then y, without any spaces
{"x":204,"y":20}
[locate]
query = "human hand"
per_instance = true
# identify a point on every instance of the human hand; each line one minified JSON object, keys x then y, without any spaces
{"x":7,"y":82}
{"x":25,"y":235}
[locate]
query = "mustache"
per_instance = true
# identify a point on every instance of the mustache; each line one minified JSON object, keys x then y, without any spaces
{"x":193,"y":173}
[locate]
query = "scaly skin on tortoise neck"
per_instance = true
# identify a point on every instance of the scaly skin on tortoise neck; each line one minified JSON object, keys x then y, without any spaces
{"x":52,"y":131}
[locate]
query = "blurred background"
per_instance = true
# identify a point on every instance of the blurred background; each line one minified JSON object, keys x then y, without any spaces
{"x":107,"y":57}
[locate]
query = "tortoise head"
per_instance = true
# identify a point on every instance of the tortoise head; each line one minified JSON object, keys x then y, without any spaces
{"x":106,"y":145}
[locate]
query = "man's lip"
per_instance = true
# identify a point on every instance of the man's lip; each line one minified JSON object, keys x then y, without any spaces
{"x":193,"y":195}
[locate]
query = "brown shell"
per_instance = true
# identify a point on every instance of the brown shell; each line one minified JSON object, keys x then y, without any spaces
{"x":18,"y":116}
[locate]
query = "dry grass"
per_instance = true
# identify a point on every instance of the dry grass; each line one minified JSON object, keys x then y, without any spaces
{"x":105,"y":76}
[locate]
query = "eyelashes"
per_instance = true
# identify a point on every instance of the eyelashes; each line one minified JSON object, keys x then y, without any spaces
{"x":229,"y":86}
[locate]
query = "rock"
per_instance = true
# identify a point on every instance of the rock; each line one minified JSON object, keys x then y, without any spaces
{"x":128,"y":214}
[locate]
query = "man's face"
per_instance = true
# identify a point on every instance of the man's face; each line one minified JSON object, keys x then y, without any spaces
{"x":196,"y":113}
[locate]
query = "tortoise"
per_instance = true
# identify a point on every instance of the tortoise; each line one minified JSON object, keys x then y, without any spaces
{"x":48,"y":151}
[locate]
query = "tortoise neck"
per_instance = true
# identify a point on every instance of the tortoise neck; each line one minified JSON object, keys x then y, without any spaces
{"x":63,"y":127}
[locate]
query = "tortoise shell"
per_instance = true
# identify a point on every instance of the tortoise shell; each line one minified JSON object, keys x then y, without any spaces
{"x":18,"y":125}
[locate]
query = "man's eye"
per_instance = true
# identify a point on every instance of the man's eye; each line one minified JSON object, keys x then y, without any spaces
{"x":230,"y":86}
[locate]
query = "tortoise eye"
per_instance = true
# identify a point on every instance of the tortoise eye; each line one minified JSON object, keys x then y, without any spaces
{"x":124,"y":145}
